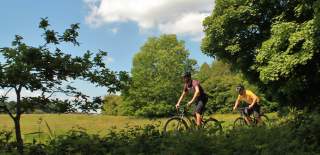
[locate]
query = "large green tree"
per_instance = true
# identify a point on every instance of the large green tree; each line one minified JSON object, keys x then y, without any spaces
{"x":45,"y":69}
{"x":112,"y":105}
{"x":156,"y":76}
{"x":275,"y":43}
{"x":219,"y":82}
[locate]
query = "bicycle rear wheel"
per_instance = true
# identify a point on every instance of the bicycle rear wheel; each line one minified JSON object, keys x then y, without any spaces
{"x":239,"y":122}
{"x":264,"y":120}
{"x":175,"y":125}
{"x":212,"y":126}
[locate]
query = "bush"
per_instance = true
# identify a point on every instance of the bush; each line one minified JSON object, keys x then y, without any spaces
{"x":297,"y":135}
{"x":76,"y":142}
{"x":6,"y":145}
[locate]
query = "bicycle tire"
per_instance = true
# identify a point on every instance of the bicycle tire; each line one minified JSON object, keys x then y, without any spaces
{"x":265,"y":120}
{"x":239,"y":122}
{"x":212,"y":126}
{"x":175,"y":125}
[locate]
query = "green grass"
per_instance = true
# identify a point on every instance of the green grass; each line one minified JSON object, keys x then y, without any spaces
{"x":93,"y":124}
{"x":61,"y":123}
{"x":228,"y":119}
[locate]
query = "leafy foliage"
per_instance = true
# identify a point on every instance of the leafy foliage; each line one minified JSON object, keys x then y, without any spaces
{"x":45,"y":68}
{"x":219,"y":82}
{"x":299,"y":135}
{"x":156,"y":76}
{"x":112,"y":105}
{"x":273,"y":43}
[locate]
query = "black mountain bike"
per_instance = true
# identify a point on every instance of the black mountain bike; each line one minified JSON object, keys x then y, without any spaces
{"x":240,"y":121}
{"x":184,"y":121}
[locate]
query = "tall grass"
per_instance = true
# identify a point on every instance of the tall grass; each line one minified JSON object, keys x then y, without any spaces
{"x":46,"y":126}
{"x":290,"y":135}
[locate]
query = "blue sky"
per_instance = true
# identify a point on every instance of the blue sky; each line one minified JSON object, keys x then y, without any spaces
{"x":119,"y":27}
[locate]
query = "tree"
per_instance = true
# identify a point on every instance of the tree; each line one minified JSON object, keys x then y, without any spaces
{"x":45,"y":68}
{"x":273,"y":43}
{"x":204,"y":72}
{"x":220,"y":82}
{"x":156,"y":76}
{"x":112,"y":105}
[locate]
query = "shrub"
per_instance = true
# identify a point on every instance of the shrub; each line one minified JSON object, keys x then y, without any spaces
{"x":297,"y":135}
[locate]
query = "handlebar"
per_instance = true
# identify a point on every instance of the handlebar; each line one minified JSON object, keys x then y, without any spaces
{"x":242,"y":110}
{"x":182,"y":109}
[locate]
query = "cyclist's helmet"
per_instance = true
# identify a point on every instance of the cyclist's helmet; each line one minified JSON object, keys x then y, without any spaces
{"x":187,"y":75}
{"x":239,"y":88}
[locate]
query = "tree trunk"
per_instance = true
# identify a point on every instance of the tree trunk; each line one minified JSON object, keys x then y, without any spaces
{"x":17,"y":121}
{"x":18,"y":134}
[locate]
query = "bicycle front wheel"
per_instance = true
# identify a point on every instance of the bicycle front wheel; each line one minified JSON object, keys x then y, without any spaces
{"x":175,"y":125}
{"x":239,"y":122}
{"x":212,"y":126}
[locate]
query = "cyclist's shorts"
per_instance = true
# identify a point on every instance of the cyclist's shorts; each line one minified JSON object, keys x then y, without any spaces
{"x":201,"y":104}
{"x":255,"y":110}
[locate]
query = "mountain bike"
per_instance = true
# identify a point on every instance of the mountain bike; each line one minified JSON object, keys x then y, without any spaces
{"x":240,"y":121}
{"x":184,"y":121}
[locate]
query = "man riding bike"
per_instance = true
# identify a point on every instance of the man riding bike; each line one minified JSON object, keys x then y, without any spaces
{"x":199,"y":97}
{"x":250,"y":98}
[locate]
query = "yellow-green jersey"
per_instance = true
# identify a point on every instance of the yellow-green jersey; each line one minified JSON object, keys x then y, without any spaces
{"x":248,"y":97}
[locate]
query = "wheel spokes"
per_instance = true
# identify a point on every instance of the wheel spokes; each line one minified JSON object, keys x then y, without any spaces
{"x":175,"y":125}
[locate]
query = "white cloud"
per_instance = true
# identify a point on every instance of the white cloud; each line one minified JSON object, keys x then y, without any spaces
{"x":114,"y":30}
{"x":182,"y":17}
{"x":190,"y":24}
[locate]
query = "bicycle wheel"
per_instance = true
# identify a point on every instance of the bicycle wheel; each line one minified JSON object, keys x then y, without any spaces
{"x":212,"y":126}
{"x":239,"y":122}
{"x":175,"y":125}
{"x":264,"y":120}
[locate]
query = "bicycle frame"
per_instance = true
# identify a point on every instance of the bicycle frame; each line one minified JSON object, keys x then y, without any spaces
{"x":254,"y":119}
{"x":188,"y":121}
{"x":242,"y":114}
{"x":183,"y":114}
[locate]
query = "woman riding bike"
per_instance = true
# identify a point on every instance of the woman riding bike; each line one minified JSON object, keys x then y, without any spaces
{"x":199,"y":96}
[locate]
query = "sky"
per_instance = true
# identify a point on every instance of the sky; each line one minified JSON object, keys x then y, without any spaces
{"x":119,"y":27}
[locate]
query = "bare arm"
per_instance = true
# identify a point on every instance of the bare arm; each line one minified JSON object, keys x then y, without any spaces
{"x":254,"y":101}
{"x":181,"y":98}
{"x":196,"y":94}
{"x":236,"y":104}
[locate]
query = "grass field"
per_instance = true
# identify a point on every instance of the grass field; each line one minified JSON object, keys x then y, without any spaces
{"x":93,"y":124}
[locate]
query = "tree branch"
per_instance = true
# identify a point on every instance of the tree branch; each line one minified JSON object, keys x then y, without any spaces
{"x":4,"y":107}
{"x":52,"y":91}
{"x":5,"y":95}
{"x":50,"y":94}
